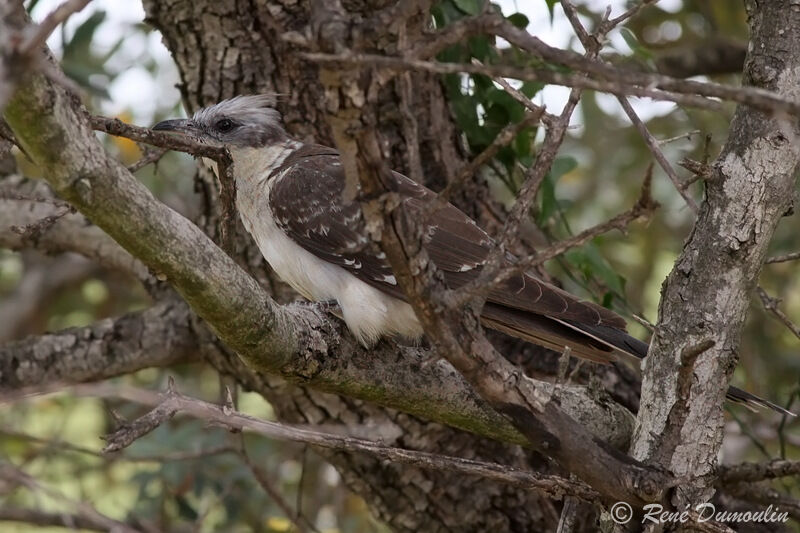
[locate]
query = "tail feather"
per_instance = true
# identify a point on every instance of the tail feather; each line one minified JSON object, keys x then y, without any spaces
{"x":599,"y":343}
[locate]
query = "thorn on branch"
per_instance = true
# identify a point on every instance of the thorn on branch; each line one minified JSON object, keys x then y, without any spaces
{"x":228,"y":406}
{"x":690,"y":353}
{"x":645,"y":204}
{"x":150,"y":156}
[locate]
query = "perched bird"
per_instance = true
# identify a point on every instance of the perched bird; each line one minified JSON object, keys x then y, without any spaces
{"x":290,"y":199}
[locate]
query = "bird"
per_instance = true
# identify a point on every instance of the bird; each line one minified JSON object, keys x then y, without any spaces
{"x":290,"y":200}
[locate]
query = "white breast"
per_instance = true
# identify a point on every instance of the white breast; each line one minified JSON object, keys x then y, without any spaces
{"x":369,"y":313}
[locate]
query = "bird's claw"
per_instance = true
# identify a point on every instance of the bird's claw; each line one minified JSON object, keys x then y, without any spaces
{"x":329,"y":306}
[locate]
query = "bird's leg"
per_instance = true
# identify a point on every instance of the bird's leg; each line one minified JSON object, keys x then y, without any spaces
{"x":330,"y":306}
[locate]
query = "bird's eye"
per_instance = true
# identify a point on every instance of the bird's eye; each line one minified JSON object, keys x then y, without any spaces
{"x":224,"y":125}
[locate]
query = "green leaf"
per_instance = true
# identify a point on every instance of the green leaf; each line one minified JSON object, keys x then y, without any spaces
{"x":548,"y":202}
{"x":591,"y":264}
{"x":82,"y":39}
{"x":445,"y":13}
{"x":531,"y":88}
{"x":519,"y":20}
{"x":551,"y":4}
{"x":513,"y":109}
{"x":563,"y":165}
{"x":185,"y":510}
{"x":524,"y":142}
{"x":479,"y":47}
{"x":638,"y":48}
{"x":470,"y":7}
{"x":495,"y":118}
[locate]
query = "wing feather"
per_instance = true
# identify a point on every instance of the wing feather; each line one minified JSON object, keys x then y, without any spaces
{"x":306,"y":201}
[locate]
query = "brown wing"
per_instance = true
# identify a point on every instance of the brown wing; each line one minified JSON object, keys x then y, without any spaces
{"x":459,"y":247}
{"x":305,"y":199}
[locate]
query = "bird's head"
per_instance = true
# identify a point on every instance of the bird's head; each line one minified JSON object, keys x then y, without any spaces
{"x":241,"y":122}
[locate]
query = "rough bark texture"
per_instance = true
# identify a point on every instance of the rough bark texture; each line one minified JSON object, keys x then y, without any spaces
{"x":705,"y":298}
{"x":159,"y":336}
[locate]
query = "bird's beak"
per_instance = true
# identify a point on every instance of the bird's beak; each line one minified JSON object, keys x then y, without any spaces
{"x":178,"y":125}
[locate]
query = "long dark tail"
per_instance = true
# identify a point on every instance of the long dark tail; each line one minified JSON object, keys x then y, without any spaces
{"x":602,"y":344}
{"x":638,"y":349}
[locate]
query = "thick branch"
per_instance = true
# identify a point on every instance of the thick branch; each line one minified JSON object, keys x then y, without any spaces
{"x":758,"y":471}
{"x":159,"y":336}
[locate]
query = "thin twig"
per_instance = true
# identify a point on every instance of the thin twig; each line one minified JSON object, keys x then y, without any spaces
{"x":506,"y":136}
{"x":43,"y":30}
{"x":687,"y":136}
{"x":9,"y":472}
{"x":700,"y":171}
{"x":114,"y":126}
{"x":617,"y":87}
{"x":653,"y":144}
{"x":32,"y":232}
{"x":553,"y":486}
{"x":771,"y":305}
{"x":516,"y":94}
{"x":751,"y":472}
{"x":188,"y":455}
{"x":794,"y":256}
{"x":152,"y":155}
{"x":262,"y":478}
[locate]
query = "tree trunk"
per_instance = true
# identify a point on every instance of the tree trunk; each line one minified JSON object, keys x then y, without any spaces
{"x":705,"y":299}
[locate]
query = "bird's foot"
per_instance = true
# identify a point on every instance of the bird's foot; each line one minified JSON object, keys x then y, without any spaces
{"x":330,"y":306}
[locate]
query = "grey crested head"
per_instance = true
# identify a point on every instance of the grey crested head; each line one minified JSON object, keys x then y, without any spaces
{"x":242,"y":121}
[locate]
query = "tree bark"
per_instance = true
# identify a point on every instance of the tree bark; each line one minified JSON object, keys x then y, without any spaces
{"x":704,"y":300}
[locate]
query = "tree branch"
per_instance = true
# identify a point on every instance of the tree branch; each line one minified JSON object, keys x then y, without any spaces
{"x":27,"y":206}
{"x":771,"y":305}
{"x":171,"y":402}
{"x":750,"y":472}
{"x":551,"y":77}
{"x":159,"y":336}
